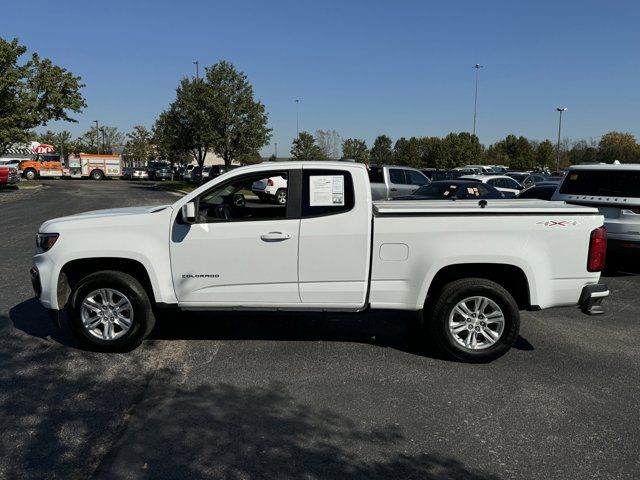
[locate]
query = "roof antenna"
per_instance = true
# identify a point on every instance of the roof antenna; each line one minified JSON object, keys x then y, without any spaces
{"x":482,"y":203}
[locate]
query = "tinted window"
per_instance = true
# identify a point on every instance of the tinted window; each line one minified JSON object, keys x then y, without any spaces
{"x":602,"y":182}
{"x":544,"y":192}
{"x":494,"y":182}
{"x":376,"y":175}
{"x":236,"y":200}
{"x":396,"y":176}
{"x":438,"y":189}
{"x":416,"y":178}
{"x":326,"y":192}
{"x":509,"y":183}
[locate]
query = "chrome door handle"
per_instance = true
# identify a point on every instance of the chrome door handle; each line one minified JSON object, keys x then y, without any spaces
{"x":275,"y":236}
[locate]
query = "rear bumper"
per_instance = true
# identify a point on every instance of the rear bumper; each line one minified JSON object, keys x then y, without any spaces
{"x":591,"y":298}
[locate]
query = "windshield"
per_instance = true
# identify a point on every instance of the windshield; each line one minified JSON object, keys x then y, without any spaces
{"x":621,"y":183}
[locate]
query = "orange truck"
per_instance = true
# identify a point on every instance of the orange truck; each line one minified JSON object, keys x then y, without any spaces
{"x":85,"y":165}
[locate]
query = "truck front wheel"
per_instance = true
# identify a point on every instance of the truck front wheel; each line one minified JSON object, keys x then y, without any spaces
{"x":97,"y":175}
{"x":110,"y":311}
{"x":473,"y":320}
{"x":30,"y":174}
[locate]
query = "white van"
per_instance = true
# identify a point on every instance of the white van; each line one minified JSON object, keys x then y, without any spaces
{"x":615,"y":190}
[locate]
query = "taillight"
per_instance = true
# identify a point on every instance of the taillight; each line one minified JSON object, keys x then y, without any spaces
{"x":270,"y":183}
{"x":597,"y":250}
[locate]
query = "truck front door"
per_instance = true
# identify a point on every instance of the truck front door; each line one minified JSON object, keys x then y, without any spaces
{"x":241,"y":252}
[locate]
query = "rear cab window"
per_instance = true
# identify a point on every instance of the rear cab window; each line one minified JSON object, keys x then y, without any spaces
{"x":326,"y":192}
{"x":376,"y":175}
{"x":621,"y":183}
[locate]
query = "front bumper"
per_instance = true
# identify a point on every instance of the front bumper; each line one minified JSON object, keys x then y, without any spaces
{"x":591,"y":298}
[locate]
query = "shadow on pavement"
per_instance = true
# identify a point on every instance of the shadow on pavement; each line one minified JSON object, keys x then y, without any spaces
{"x":264,"y":432}
{"x":67,"y":413}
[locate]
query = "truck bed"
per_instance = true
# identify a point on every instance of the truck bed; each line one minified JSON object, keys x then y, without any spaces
{"x":444,"y":207}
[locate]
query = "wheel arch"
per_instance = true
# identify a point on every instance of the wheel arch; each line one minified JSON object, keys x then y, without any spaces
{"x":75,"y":270}
{"x":512,"y":278}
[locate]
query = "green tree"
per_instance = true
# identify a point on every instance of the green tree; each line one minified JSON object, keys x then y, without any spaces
{"x":304,"y":148}
{"x":62,"y":141}
{"x":101,"y":140}
{"x":381,"y":152}
{"x":139,"y":145}
{"x":619,"y":146}
{"x":169,"y":139}
{"x":407,"y":152}
{"x":545,"y":155}
{"x":461,"y":149}
{"x":355,"y":149}
{"x":583,"y":151}
{"x":239,"y":122}
{"x":33,"y":93}
{"x":516,"y":152}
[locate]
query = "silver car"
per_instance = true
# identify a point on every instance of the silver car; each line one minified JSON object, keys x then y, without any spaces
{"x":388,"y":181}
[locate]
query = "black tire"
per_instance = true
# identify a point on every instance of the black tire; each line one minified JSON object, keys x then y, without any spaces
{"x":281,"y":196}
{"x":96,"y":174}
{"x":143,"y":319}
{"x":30,"y":174}
{"x":438,"y":311}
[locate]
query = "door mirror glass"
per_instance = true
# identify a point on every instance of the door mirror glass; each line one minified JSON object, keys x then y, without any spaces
{"x":189,"y":212}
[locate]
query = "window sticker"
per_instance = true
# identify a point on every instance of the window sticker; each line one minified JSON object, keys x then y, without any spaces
{"x":326,"y":190}
{"x":470,"y":190}
{"x":574,"y":176}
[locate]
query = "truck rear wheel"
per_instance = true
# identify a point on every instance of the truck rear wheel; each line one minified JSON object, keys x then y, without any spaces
{"x":97,"y":174}
{"x":30,"y":174}
{"x":110,"y":311}
{"x":473,"y":320}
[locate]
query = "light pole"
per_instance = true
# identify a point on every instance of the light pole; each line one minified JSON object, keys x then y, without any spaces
{"x":477,"y":66}
{"x":276,"y":154}
{"x":197,"y":64}
{"x":297,"y":100}
{"x":97,"y":135}
{"x":559,"y":109}
{"x":103,"y":143}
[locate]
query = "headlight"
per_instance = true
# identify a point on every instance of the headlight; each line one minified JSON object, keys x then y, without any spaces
{"x":44,"y":241}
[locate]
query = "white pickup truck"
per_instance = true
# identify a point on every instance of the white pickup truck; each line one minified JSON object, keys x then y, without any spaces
{"x":466,"y":267}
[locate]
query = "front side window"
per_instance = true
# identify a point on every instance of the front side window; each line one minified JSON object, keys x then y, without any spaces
{"x":247,"y":198}
{"x":416,"y":178}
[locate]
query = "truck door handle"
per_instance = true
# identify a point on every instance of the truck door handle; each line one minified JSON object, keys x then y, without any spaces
{"x":393,"y":189}
{"x":275,"y":236}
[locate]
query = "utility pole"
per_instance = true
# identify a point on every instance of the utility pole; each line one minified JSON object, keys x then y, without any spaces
{"x":97,"y":135}
{"x":276,"y":154}
{"x":477,"y":66}
{"x":297,"y":100}
{"x":197,"y":64}
{"x":559,"y":109}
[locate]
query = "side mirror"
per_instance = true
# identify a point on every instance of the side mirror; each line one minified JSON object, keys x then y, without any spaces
{"x":189,"y":212}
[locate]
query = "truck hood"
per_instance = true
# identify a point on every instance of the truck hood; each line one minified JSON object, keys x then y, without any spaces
{"x":111,"y":214}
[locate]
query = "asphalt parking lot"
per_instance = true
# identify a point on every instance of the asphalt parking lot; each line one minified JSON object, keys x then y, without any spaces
{"x":291,"y":396}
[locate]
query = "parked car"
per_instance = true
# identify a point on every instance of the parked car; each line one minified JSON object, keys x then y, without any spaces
{"x":13,"y":163}
{"x":482,"y":169}
{"x":196,"y":174}
{"x":8,"y":176}
{"x":163,"y":173}
{"x":154,"y":165}
{"x":453,"y":190}
{"x":271,"y":189}
{"x":135,"y":173}
{"x":518,"y":176}
{"x":532,"y":179}
{"x":186,"y":173}
{"x":470,"y":268}
{"x":506,"y":185}
{"x":388,"y":181}
{"x":213,"y":171}
{"x":541,"y":191}
{"x":615,"y":191}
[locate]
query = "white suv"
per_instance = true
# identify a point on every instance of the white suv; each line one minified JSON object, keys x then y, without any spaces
{"x":272,"y":188}
{"x":505,"y":184}
{"x":615,"y":190}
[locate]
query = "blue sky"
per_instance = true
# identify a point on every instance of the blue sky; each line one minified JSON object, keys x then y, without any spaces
{"x":360,"y":67}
